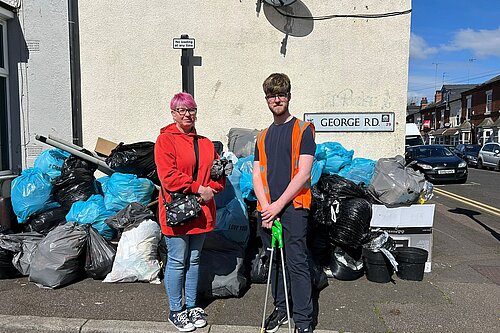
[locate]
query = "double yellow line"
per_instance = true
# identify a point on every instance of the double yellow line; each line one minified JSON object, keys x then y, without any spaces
{"x":492,"y":210}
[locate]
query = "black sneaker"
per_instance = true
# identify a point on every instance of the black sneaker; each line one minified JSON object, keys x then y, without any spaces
{"x":275,"y":320}
{"x":304,"y":330}
{"x":197,"y":317}
{"x":181,"y":321}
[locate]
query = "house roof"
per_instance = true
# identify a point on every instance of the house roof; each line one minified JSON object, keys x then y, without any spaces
{"x":487,"y":122}
{"x":439,"y":131}
{"x":496,"y":78}
{"x":490,"y":81}
{"x":450,"y":131}
{"x":465,"y":125}
{"x":497,"y":123}
{"x":412,"y":109}
{"x":456,"y":90}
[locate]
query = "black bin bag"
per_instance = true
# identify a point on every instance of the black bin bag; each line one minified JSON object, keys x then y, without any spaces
{"x":99,"y":255}
{"x":7,"y":269}
{"x":135,"y":158}
{"x":58,"y":260}
{"x":23,"y":246}
{"x":260,"y":267}
{"x":46,"y":221}
{"x":76,"y":182}
{"x":133,"y":214}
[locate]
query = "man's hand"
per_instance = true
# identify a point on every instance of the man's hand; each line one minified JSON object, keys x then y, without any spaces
{"x":269,"y":213}
{"x":206,"y":193}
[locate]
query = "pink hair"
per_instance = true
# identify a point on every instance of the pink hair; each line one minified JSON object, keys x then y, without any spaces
{"x":182,"y":99}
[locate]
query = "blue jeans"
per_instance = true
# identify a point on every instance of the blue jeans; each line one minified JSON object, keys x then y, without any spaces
{"x":182,"y":265}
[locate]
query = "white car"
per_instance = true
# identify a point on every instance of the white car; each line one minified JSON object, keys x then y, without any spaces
{"x":489,"y":156}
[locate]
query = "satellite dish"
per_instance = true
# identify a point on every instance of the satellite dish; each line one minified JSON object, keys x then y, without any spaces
{"x":279,"y":3}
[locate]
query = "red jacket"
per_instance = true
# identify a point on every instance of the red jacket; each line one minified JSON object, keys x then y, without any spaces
{"x":175,"y":160}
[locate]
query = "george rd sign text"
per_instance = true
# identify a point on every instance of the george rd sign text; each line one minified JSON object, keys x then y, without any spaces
{"x":352,"y":122}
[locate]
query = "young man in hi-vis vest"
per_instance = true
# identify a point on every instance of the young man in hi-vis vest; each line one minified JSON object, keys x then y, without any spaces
{"x":284,"y":154}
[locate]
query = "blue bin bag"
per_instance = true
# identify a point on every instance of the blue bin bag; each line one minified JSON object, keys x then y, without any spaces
{"x":231,"y":191}
{"x":50,"y":162}
{"x":232,"y":223}
{"x":245,"y":165}
{"x":317,"y":170}
{"x":335,"y":156}
{"x":93,"y":212}
{"x":359,"y":171}
{"x":30,"y":194}
{"x":122,"y":189}
{"x":101,"y":184}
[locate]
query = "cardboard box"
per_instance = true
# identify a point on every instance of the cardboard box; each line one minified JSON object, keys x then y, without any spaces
{"x":408,"y":226}
{"x":104,"y":147}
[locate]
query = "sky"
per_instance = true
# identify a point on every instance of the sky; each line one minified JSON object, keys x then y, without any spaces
{"x":452,"y":42}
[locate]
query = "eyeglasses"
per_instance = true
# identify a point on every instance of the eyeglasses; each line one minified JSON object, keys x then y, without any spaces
{"x":182,"y":111}
{"x":281,"y":97}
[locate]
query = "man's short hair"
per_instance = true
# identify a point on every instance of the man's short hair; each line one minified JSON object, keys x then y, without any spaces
{"x":277,"y":83}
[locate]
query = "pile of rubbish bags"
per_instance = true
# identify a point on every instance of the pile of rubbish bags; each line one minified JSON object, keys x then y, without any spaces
{"x":76,"y":226}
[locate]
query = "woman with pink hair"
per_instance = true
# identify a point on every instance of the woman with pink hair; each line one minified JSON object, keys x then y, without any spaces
{"x":181,"y":171}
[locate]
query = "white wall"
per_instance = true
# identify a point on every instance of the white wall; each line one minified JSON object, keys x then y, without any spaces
{"x":45,"y":88}
{"x":130,"y":71}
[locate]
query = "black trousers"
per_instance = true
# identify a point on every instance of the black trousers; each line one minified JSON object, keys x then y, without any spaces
{"x":294,"y":223}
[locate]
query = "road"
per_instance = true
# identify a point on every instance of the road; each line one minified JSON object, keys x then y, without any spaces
{"x":477,"y":199}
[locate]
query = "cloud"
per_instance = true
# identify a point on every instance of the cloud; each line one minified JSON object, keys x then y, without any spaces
{"x":483,"y":43}
{"x":419,"y":48}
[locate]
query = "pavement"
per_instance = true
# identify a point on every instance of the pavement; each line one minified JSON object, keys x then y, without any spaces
{"x":461,"y":294}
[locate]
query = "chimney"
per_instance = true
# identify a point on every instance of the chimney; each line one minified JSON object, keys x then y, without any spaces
{"x":423,"y":102}
{"x":438,"y":97}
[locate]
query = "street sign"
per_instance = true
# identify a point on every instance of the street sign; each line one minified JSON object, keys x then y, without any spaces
{"x":352,"y":122}
{"x":183,"y":43}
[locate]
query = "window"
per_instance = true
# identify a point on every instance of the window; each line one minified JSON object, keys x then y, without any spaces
{"x":4,"y":121}
{"x":488,"y":147}
{"x":468,"y":111}
{"x":489,"y":98}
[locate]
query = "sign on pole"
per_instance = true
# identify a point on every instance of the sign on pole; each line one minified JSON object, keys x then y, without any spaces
{"x":352,"y":122}
{"x":183,"y":43}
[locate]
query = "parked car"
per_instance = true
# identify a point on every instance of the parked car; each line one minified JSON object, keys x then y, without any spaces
{"x":468,"y":153}
{"x":437,"y":163}
{"x":489,"y":156}
{"x":452,"y":148}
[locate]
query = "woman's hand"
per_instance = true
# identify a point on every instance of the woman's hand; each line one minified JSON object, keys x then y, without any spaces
{"x":206,"y":193}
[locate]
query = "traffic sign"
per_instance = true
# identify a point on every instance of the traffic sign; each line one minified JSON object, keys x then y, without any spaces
{"x":183,"y":43}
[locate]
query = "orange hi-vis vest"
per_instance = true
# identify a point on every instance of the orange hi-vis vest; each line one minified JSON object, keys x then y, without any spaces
{"x":303,"y":198}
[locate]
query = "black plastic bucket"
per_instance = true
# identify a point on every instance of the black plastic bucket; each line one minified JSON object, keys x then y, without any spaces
{"x":378,"y":268}
{"x":411,"y":263}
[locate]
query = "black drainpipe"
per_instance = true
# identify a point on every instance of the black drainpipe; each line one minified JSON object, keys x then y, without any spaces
{"x":75,"y":72}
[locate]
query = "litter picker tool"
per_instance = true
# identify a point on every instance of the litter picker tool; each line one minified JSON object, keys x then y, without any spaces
{"x":277,"y":239}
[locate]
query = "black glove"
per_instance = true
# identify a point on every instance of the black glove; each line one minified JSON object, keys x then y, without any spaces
{"x":221,"y":168}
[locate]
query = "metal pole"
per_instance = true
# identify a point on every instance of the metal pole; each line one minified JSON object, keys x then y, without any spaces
{"x":187,"y":69}
{"x":101,"y":165}
{"x":286,"y":290}
{"x":262,"y":328}
{"x":75,"y":72}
